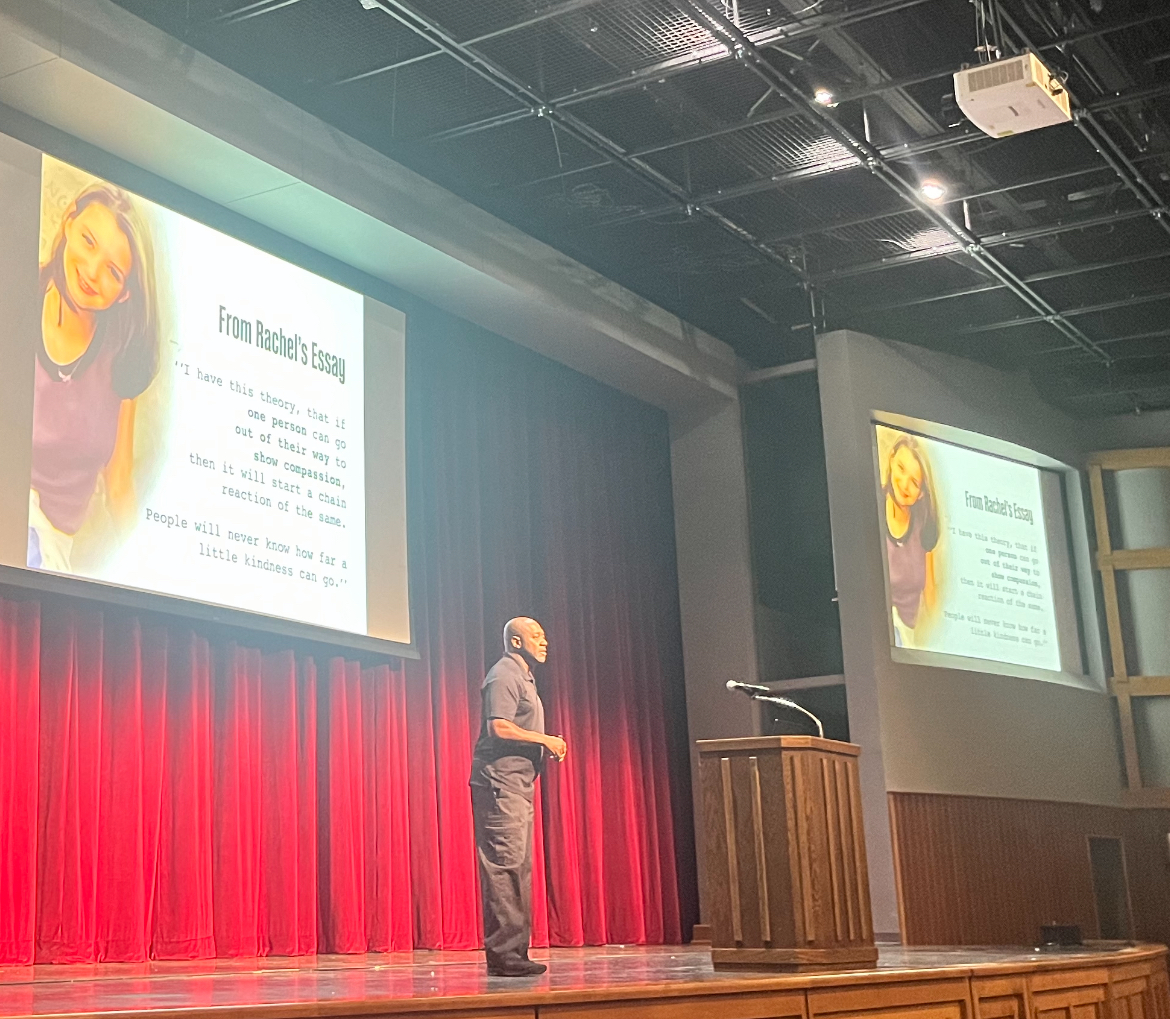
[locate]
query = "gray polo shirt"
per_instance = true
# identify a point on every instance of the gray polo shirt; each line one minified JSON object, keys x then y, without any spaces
{"x":509,"y":692}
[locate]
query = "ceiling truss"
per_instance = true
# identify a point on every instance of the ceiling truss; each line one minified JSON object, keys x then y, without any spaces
{"x":720,"y":188}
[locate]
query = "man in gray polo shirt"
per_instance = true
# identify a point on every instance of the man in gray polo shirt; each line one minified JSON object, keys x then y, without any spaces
{"x":508,"y":756}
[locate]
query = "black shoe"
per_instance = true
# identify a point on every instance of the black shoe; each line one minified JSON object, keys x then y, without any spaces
{"x":517,"y":968}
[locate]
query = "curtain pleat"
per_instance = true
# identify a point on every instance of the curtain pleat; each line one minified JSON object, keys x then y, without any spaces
{"x":167,"y":791}
{"x":20,"y":706}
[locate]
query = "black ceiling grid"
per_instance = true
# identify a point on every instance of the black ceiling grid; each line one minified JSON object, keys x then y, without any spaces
{"x":628,"y":134}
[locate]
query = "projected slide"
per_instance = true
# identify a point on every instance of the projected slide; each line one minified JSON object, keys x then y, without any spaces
{"x":199,"y":413}
{"x":966,"y":554}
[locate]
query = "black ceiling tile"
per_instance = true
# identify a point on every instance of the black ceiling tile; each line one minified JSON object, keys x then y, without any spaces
{"x":311,"y":42}
{"x":636,"y":119}
{"x":768,"y":214}
{"x":1010,"y":351}
{"x":516,"y":155}
{"x":903,"y":283}
{"x":590,"y":199}
{"x":467,"y":21}
{"x":928,"y":36}
{"x":635,"y":34}
{"x":958,"y":315}
{"x":708,"y":100}
{"x":909,"y":233}
{"x":1147,"y":312}
{"x":723,"y":92}
{"x":702,"y":169}
{"x":1115,"y":238}
{"x":598,"y":44}
{"x":1037,"y":257}
{"x":1108,"y":285}
{"x":843,"y":195}
{"x":547,"y":60}
{"x":1066,"y":190}
{"x":782,"y":146}
{"x":417,"y":101}
{"x":1040,"y":152}
{"x":1147,"y":346}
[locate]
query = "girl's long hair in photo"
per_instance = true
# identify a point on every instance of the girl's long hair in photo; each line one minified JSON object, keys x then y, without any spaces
{"x":923,"y":512}
{"x":130,"y":326}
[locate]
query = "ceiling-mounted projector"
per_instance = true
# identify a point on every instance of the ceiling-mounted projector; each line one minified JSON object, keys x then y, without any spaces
{"x":1011,"y":96}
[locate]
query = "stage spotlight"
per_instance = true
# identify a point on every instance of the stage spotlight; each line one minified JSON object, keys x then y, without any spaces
{"x":825,"y":97}
{"x":933,"y":191}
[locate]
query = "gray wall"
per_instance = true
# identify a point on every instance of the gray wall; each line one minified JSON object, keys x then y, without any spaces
{"x":936,"y":730}
{"x":1143,"y":521}
{"x":1143,"y":510}
{"x":715,"y":584}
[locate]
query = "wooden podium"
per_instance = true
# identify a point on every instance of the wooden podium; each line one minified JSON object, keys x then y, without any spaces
{"x":786,"y":874}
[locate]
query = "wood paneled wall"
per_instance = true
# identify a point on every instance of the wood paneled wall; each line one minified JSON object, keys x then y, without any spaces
{"x":983,"y":871}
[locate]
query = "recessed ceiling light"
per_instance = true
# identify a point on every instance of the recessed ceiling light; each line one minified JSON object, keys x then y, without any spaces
{"x":933,"y":191}
{"x":825,"y":97}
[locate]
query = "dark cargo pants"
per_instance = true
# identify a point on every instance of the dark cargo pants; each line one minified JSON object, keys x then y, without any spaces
{"x":503,"y":838}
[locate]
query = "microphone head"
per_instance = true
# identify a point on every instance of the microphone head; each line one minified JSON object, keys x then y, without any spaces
{"x":732,"y":684}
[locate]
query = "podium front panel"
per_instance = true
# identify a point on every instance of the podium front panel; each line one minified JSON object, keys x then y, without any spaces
{"x":786,"y":870}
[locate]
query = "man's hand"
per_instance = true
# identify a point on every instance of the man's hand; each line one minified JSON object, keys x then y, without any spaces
{"x":505,"y":729}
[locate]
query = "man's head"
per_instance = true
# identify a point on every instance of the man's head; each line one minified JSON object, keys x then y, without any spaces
{"x":525,"y":636}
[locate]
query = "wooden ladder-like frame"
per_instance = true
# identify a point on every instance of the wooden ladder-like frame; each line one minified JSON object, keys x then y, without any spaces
{"x":1122,"y":684}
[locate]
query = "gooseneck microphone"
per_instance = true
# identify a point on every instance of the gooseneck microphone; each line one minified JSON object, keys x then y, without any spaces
{"x":748,"y":687}
{"x":764,"y":693}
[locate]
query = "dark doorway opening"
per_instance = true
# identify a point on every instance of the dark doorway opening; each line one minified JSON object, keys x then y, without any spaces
{"x":1110,"y":888}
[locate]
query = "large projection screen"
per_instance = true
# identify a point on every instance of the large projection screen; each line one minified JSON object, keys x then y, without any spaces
{"x":977,"y":552}
{"x":192,"y":424}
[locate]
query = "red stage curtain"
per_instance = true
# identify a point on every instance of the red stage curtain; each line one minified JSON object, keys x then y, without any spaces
{"x":168,"y":791}
{"x":20,"y":689}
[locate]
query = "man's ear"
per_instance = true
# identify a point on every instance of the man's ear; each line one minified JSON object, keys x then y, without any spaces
{"x":517,"y":643}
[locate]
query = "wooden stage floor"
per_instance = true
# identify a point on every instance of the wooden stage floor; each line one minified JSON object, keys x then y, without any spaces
{"x":1106,"y":982}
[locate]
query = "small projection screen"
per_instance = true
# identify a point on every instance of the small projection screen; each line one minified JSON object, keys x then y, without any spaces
{"x":976,"y":553}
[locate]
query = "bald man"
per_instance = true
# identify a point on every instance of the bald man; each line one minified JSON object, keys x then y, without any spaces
{"x":508,"y":756}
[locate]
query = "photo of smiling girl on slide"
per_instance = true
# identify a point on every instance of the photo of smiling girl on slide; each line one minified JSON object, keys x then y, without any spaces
{"x":911,"y":528}
{"x":98,"y":353}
